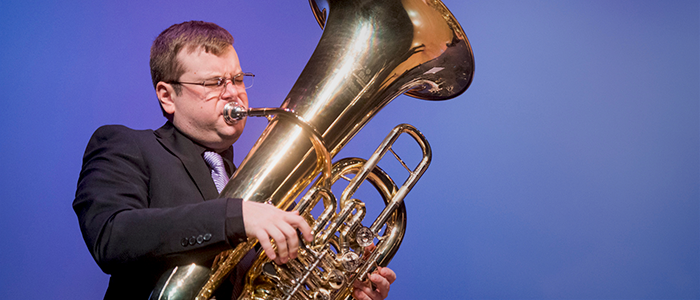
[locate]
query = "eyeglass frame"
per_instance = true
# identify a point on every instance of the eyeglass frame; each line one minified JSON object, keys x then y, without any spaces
{"x":220,"y":81}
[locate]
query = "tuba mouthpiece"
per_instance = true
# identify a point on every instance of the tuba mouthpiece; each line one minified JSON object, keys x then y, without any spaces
{"x":233,"y":112}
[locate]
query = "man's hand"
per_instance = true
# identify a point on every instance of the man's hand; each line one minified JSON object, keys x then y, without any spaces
{"x":382,"y":278}
{"x":264,"y":221}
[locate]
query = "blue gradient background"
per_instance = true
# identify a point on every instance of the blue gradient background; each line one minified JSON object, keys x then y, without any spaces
{"x":569,"y":170}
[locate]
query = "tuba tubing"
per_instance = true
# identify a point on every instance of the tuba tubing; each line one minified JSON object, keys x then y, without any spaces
{"x":370,"y":52}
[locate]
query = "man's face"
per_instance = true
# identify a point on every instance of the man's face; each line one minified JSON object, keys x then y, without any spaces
{"x":198,"y":110}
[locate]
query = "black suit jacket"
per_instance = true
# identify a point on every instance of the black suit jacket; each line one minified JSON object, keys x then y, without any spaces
{"x":146,"y":202}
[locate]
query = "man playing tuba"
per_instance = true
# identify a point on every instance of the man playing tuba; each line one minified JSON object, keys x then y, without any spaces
{"x":149,"y":200}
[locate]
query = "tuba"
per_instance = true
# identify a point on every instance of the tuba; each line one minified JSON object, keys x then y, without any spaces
{"x":370,"y":53}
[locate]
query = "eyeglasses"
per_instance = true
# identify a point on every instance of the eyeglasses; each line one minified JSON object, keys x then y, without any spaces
{"x":218,"y":84}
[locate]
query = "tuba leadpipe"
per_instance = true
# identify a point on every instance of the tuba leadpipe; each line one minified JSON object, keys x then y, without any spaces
{"x":370,"y":52}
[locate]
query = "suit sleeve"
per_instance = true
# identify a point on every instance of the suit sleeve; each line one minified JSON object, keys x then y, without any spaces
{"x":120,"y":228}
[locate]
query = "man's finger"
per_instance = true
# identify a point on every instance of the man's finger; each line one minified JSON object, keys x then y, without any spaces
{"x":291,"y":238}
{"x":361,"y":290}
{"x":381,"y":283}
{"x":298,"y":222}
{"x":264,"y":240}
{"x":280,"y":242}
{"x":389,"y":274}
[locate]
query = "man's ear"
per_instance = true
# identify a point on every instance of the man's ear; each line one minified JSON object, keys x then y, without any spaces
{"x":165,"y":93}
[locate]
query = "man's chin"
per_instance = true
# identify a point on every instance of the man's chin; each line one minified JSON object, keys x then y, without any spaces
{"x":228,"y":140}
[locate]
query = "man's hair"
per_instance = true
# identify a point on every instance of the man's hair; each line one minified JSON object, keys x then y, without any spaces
{"x":188,"y":36}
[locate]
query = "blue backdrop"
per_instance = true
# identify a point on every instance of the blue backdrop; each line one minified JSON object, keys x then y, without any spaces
{"x":569,"y":169}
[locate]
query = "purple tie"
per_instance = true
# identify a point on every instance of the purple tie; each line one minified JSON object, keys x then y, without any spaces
{"x":218,"y":172}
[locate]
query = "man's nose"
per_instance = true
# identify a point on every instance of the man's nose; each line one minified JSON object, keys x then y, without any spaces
{"x":229,"y":92}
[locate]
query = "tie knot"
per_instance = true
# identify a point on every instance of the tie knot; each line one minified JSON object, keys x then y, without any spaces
{"x":213,"y":159}
{"x":218,"y":171}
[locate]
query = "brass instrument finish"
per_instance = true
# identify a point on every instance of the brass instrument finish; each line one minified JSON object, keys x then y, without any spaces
{"x":370,"y":53}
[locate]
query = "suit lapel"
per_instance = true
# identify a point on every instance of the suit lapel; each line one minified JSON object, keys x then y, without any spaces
{"x":190,"y":154}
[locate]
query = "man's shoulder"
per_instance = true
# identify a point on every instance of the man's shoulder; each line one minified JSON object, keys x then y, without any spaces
{"x":120,"y":136}
{"x":121,"y":130}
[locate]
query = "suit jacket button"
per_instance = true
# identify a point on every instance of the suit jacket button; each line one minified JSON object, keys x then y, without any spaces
{"x":200,"y":239}
{"x":184,"y":242}
{"x":207,"y":237}
{"x":192,"y":240}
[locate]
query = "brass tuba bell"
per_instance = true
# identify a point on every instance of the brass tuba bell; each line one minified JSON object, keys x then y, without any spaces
{"x":370,"y":53}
